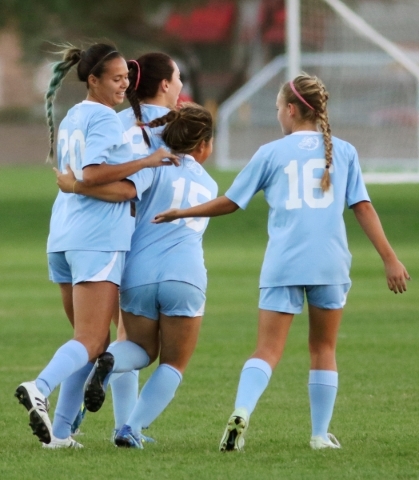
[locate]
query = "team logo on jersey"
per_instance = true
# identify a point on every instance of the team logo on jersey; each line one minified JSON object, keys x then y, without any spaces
{"x":193,"y":166}
{"x":309,"y":143}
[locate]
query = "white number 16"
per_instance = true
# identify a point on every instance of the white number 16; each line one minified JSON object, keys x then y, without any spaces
{"x":309,"y":184}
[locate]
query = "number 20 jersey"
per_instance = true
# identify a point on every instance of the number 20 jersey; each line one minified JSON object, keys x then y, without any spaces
{"x":169,"y":251}
{"x":307,"y":237}
{"x":90,"y":134}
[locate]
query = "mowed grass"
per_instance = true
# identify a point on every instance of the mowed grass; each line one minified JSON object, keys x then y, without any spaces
{"x":377,"y":410}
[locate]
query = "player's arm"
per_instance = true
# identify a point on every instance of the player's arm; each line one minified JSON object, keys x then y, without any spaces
{"x":214,"y":208}
{"x":120,"y":191}
{"x":104,"y":173}
{"x":396,"y":273}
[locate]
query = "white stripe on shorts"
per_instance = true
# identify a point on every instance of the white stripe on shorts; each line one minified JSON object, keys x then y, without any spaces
{"x":103,"y":274}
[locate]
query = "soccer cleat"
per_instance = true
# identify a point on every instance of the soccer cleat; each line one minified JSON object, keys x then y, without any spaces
{"x":62,"y":443}
{"x":126,"y":438}
{"x":75,"y":428}
{"x":142,"y":437}
{"x":318,"y":442}
{"x":233,"y":437}
{"x":94,"y":391}
{"x":37,"y":405}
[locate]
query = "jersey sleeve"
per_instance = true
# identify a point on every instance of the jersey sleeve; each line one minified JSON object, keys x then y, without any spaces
{"x":143,"y":180}
{"x":105,"y":132}
{"x":356,"y":190}
{"x":250,"y":180}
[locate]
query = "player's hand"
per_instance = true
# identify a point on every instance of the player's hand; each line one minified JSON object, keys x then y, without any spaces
{"x":160,"y":158}
{"x":397,"y":275}
{"x":65,"y":181}
{"x":167,"y":216}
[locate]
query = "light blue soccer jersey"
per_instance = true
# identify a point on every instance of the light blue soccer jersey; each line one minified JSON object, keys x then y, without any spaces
{"x":91,"y":133}
{"x":135,"y":134}
{"x":307,"y":237}
{"x":169,"y":251}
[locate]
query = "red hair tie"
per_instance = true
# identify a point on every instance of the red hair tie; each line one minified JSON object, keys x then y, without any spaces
{"x":138,"y":74}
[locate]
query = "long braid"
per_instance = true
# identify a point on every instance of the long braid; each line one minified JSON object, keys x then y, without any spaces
{"x":71,"y":56}
{"x":169,"y":117}
{"x":327,"y":137}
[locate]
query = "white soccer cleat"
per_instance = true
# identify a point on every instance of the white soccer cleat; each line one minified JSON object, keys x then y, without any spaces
{"x":233,"y":437}
{"x":317,"y":443}
{"x":68,"y":442}
{"x":37,"y":405}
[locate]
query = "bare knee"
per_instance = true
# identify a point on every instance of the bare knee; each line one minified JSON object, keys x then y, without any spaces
{"x":93,"y":346}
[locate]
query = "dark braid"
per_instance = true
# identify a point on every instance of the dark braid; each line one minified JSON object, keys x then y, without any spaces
{"x":185,"y":129}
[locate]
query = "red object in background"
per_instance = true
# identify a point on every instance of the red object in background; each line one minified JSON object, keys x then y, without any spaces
{"x":184,"y":97}
{"x":209,"y":24}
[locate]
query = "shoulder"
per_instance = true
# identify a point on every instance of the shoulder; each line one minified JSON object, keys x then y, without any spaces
{"x":344,"y":148}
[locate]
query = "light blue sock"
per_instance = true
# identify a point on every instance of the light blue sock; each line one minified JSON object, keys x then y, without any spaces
{"x":124,"y":395}
{"x":254,"y":378}
{"x":127,"y":356}
{"x":322,"y":388}
{"x":69,"y":401}
{"x":154,"y":397}
{"x":69,"y":358}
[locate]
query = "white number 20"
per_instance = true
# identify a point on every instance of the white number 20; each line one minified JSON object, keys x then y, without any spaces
{"x":73,"y":144}
{"x":310,"y":183}
{"x":195,"y":189}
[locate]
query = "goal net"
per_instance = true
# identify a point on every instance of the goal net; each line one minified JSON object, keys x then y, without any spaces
{"x":374,"y":99}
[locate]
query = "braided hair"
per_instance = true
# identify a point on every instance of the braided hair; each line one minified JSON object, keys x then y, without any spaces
{"x":186,"y":128}
{"x":90,"y":62}
{"x":150,"y":69}
{"x":310,"y":95}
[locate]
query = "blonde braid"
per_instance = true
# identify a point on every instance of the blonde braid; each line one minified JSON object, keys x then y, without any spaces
{"x":327,"y":136}
{"x":169,"y":117}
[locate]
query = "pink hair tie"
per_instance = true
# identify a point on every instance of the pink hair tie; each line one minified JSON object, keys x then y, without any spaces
{"x":138,"y":74}
{"x":299,"y":96}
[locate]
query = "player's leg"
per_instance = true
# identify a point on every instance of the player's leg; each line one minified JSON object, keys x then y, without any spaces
{"x":93,"y":303}
{"x":70,"y":397}
{"x":141,"y":347}
{"x":325,"y":314}
{"x":124,"y":386}
{"x":277,"y":307}
{"x":182,"y":307}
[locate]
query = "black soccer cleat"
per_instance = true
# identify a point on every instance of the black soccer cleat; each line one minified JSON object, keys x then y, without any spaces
{"x":94,"y":390}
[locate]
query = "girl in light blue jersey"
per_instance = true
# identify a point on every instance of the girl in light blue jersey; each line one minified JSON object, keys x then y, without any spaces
{"x":164,"y":280}
{"x":307,"y":178}
{"x":88,"y":237}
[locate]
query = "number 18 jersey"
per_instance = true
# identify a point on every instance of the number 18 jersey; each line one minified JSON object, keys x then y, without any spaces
{"x":307,"y":237}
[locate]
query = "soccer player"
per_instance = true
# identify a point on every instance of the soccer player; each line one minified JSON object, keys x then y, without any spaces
{"x":154,"y":89}
{"x":307,"y":177}
{"x":88,"y":238}
{"x":164,"y":280}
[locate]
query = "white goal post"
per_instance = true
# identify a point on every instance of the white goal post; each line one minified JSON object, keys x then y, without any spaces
{"x":374,"y":87}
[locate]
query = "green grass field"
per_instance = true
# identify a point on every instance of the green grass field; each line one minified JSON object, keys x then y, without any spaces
{"x":377,"y":411}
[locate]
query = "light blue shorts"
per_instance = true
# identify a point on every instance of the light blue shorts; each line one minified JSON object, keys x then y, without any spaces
{"x":172,"y":298}
{"x":291,"y":299}
{"x":77,"y":266}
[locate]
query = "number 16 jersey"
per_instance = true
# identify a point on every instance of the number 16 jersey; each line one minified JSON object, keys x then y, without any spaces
{"x":307,"y":237}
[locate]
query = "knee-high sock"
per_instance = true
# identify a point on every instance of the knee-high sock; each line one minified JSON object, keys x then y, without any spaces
{"x":154,"y":397}
{"x":69,"y":402}
{"x":69,"y":358}
{"x":127,"y":356}
{"x":322,"y":387}
{"x":124,"y":395}
{"x":254,"y":378}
